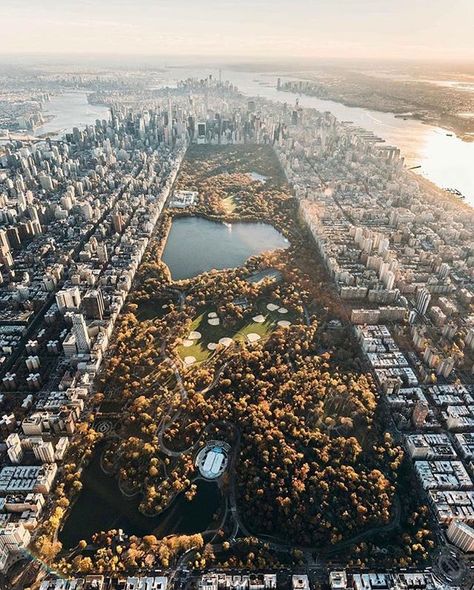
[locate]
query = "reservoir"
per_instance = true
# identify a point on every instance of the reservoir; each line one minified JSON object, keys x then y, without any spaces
{"x":196,"y":245}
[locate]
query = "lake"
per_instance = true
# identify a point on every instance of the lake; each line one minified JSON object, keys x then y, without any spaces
{"x":196,"y":245}
{"x":102,"y":507}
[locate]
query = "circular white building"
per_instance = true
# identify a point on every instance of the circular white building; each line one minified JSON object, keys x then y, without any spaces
{"x":212,"y":459}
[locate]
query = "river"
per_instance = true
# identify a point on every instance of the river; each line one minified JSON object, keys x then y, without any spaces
{"x":446,"y":160}
{"x":68,"y":110}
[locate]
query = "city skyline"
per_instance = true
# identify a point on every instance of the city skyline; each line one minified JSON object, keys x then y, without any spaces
{"x":259,"y":29}
{"x":237,"y":295}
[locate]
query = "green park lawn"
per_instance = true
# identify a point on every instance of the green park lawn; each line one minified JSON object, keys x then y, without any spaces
{"x":238,"y":333}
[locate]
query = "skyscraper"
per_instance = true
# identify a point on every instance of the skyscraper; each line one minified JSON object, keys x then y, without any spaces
{"x":423,"y":298}
{"x":68,"y":299}
{"x":117,"y":222}
{"x":93,"y":304}
{"x":79,"y":330}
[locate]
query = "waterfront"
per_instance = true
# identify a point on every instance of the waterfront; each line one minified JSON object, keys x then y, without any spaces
{"x":254,"y":344}
{"x":196,"y":245}
{"x":68,"y":110}
{"x":443,"y":158}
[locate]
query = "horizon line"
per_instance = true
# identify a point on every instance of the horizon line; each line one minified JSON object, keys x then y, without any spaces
{"x":232,"y":57}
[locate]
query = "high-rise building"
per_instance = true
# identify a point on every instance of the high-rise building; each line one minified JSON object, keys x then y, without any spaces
{"x":389,"y":280}
{"x":69,"y":345}
{"x":461,"y":535}
{"x":87,"y":211}
{"x":36,"y":224}
{"x":68,"y":299}
{"x":470,"y":338}
{"x":45,"y":182}
{"x":419,"y":414}
{"x":79,"y":330}
{"x":93,"y":304}
{"x":5,"y":256}
{"x":201,"y":133}
{"x":446,"y":366}
{"x":14,"y":448}
{"x":170,"y":120}
{"x":4,"y":243}
{"x":423,"y":298}
{"x":117,"y":222}
{"x":44,"y":451}
{"x":13,"y":237}
{"x":102,"y":252}
{"x":15,"y":536}
{"x":14,"y":539}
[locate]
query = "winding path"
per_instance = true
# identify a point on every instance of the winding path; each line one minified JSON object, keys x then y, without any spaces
{"x":164,"y":425}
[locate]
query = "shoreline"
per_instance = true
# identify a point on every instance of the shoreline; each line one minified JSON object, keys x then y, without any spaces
{"x":222,"y":220}
{"x":444,"y":122}
{"x":437,"y":192}
{"x":467,"y":202}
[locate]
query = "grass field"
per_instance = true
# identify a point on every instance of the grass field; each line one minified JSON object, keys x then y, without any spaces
{"x":238,"y":333}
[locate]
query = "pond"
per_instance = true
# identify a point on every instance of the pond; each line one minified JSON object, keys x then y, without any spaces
{"x":101,"y":506}
{"x":196,"y":245}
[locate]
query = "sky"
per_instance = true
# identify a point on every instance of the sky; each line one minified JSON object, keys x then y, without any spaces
{"x":265,"y":29}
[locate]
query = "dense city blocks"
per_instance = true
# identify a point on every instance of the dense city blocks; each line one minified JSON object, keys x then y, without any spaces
{"x":237,"y":352}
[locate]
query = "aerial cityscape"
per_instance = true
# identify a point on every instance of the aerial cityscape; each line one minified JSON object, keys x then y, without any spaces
{"x":237,"y":296}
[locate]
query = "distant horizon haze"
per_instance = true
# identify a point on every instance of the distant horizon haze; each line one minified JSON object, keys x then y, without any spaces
{"x":434,"y":30}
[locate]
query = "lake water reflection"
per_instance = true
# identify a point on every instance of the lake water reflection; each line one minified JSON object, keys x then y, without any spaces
{"x":196,"y":245}
{"x":102,"y":507}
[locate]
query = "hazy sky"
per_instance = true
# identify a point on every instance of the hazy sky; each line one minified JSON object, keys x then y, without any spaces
{"x":439,"y":29}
